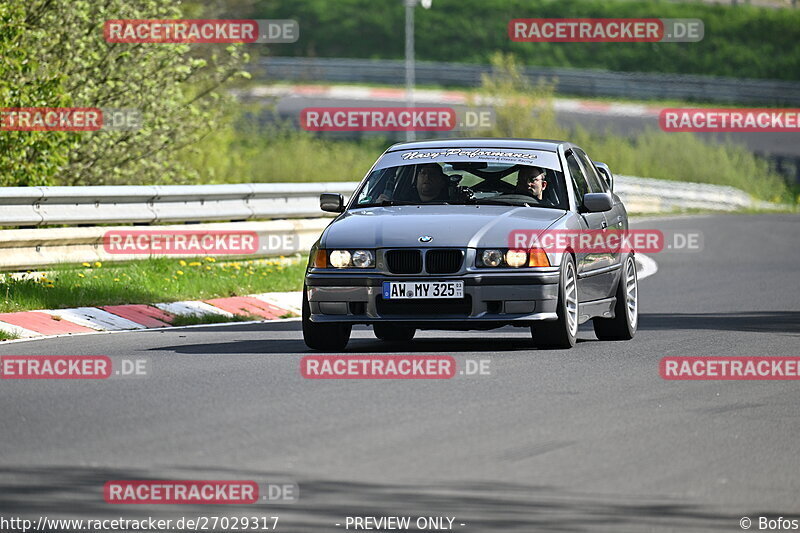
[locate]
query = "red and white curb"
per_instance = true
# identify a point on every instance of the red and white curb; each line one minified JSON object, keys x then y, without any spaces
{"x":80,"y":320}
{"x":432,"y":96}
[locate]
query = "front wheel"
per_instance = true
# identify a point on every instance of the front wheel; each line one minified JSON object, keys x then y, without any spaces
{"x":323,"y":337}
{"x":626,"y":311}
{"x":561,"y":333}
{"x":393,"y":333}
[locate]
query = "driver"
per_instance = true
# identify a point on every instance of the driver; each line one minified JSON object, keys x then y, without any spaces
{"x":531,"y":182}
{"x":431,"y":183}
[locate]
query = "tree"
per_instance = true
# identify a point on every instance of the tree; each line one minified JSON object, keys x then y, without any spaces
{"x":28,"y":158}
{"x":55,"y":54}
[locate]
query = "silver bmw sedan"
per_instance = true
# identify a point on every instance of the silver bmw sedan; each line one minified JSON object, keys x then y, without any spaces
{"x":474,"y":234}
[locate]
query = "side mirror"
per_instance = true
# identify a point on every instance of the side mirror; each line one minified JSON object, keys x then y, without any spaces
{"x":332,"y":202}
{"x":597,"y":202}
{"x":605,"y":173}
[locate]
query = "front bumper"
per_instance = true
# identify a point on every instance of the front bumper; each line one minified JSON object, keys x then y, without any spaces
{"x":489,"y":297}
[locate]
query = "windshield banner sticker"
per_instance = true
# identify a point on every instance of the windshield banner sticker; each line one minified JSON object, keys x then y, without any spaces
{"x":488,"y":155}
{"x":460,"y":152}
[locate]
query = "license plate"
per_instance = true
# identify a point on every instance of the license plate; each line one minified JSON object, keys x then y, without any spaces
{"x":422,"y":289}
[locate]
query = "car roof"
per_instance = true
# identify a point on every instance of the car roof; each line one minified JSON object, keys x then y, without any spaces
{"x":486,"y":142}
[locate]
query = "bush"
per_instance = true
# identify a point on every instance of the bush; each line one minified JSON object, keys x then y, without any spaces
{"x":28,"y":158}
{"x":55,"y":55}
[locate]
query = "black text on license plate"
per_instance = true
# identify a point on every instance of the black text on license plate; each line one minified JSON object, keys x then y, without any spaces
{"x":422,"y":289}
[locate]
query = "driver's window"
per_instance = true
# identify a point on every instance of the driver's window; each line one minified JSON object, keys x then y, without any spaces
{"x":579,"y":184}
{"x":595,"y":181}
{"x":400,"y":183}
{"x":374,"y":187}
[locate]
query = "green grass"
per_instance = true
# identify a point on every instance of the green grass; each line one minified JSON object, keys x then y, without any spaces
{"x":150,"y":281}
{"x":686,"y":157}
{"x":7,"y":335}
{"x":245,"y":151}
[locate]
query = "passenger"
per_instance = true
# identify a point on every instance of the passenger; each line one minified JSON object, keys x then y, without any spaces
{"x":531,"y":182}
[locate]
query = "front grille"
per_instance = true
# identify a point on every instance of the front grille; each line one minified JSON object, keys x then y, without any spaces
{"x":404,"y":261}
{"x":424,"y":307}
{"x":443,"y":261}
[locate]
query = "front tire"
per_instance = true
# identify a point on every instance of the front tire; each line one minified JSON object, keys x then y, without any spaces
{"x":393,"y":332}
{"x":561,"y":333}
{"x":323,"y":337}
{"x":626,"y":311}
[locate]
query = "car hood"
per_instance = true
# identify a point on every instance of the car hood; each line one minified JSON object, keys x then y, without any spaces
{"x":448,"y":225}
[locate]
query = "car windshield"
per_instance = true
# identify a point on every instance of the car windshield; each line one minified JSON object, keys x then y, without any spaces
{"x":461,"y":183}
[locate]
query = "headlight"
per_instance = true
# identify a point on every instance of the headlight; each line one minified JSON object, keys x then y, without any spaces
{"x":348,"y":259}
{"x":516,"y":258}
{"x":492,"y":258}
{"x":513,"y":258}
{"x":363,"y":259}
{"x":340,"y":258}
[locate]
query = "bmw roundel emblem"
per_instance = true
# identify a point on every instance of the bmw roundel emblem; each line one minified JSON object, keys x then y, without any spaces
{"x":425,"y":238}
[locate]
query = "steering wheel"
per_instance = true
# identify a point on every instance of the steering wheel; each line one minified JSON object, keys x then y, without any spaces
{"x":464,"y":194}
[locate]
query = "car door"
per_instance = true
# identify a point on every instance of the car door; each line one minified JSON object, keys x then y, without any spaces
{"x":594,"y":278}
{"x":616,"y":218}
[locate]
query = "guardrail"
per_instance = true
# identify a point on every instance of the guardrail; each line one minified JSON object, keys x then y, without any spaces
{"x":269,"y":210}
{"x":647,"y":195}
{"x":55,"y":206}
{"x":582,"y":82}
{"x":32,"y":249}
{"x":50,"y":206}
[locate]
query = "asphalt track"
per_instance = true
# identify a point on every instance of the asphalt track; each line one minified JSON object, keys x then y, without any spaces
{"x":588,"y":439}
